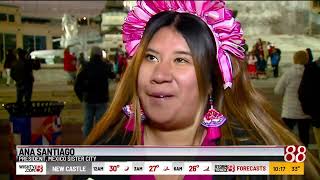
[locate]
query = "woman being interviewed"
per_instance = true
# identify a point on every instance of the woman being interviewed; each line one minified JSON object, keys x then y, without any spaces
{"x":185,"y":70}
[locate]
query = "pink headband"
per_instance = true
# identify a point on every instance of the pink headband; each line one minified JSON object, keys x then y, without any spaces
{"x":226,"y":30}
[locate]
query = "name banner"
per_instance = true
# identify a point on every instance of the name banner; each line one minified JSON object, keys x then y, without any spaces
{"x":139,"y":160}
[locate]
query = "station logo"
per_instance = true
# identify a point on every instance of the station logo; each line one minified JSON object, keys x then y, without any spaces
{"x":30,"y":169}
{"x":224,"y":168}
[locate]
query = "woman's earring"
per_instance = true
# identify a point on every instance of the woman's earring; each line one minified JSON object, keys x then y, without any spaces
{"x":213,"y":118}
{"x":127,"y":109}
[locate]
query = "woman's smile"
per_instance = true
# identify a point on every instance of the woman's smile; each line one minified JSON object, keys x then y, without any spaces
{"x":160,"y":95}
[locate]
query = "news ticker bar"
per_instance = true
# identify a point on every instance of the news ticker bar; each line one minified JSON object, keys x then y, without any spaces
{"x":160,"y":168}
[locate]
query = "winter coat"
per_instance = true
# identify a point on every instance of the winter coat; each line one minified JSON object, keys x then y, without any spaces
{"x":22,"y":73}
{"x":69,"y":62}
{"x":91,"y":85}
{"x":275,"y":57}
{"x":309,"y":90}
{"x":288,"y":86}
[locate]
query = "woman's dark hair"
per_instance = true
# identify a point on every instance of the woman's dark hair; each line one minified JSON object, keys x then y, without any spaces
{"x":21,"y":53}
{"x":96,"y":54}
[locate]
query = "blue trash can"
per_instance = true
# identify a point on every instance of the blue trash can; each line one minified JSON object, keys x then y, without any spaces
{"x":37,"y":123}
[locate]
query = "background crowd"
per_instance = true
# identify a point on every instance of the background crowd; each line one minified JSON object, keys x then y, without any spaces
{"x":90,"y":77}
{"x":298,"y":85}
{"x":258,"y":57}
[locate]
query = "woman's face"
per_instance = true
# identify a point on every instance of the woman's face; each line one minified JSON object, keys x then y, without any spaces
{"x":167,"y":82}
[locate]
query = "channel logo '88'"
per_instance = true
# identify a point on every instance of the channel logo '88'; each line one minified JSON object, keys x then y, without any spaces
{"x":295,"y":153}
{"x":231,"y":168}
{"x":39,"y":168}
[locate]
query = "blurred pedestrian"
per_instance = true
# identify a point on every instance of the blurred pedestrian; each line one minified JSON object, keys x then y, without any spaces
{"x":310,"y":55}
{"x":10,"y":60}
{"x":275,"y":56}
{"x":252,"y":65}
{"x":22,"y":73}
{"x":118,"y":56}
{"x":309,"y":91}
{"x":265,"y":51}
{"x":288,"y":86}
{"x":92,"y":88}
{"x":81,"y":62}
{"x":309,"y":96}
{"x":70,"y":61}
{"x":122,"y":63}
{"x":261,"y":61}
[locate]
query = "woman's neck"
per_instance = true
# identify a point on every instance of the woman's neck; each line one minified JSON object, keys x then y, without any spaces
{"x":182,"y":137}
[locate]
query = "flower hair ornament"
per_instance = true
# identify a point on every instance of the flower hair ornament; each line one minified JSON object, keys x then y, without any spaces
{"x":227,"y":32}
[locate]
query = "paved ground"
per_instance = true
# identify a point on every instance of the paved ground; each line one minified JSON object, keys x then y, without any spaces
{"x":50,"y":85}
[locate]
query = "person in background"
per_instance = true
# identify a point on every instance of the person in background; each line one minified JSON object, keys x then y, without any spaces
{"x":184,"y":87}
{"x":252,"y":65}
{"x":117,"y":60}
{"x":288,"y":86}
{"x":310,"y":55}
{"x":309,"y":90}
{"x":261,"y":61}
{"x":122,"y":63}
{"x":23,"y":75}
{"x":8,"y":63}
{"x":265,"y":53}
{"x":275,"y":56}
{"x":92,"y":88}
{"x":70,"y":62}
{"x":309,"y":96}
{"x":81,"y":62}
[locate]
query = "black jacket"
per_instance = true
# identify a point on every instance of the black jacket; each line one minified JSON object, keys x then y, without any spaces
{"x":309,"y":90}
{"x":22,"y":73}
{"x":91,"y":85}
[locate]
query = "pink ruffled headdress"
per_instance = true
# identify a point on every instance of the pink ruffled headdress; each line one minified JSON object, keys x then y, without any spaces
{"x":227,"y":32}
